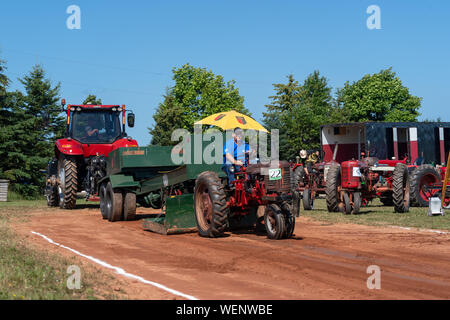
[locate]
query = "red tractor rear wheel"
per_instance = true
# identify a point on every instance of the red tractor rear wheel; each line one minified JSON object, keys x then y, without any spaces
{"x":67,"y":182}
{"x":423,"y":176}
{"x":210,"y":205}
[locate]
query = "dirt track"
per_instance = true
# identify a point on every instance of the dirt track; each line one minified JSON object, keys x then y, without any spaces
{"x":322,"y":261}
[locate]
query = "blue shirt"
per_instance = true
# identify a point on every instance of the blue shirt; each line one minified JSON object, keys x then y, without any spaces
{"x":236,"y":150}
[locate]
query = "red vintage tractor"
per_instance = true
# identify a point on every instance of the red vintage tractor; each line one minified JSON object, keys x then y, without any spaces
{"x":258,"y":190}
{"x":79,"y":163}
{"x":309,"y":185}
{"x":353,"y":183}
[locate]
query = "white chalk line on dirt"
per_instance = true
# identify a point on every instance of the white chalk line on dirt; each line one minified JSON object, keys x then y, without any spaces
{"x":424,"y":230}
{"x":118,"y":270}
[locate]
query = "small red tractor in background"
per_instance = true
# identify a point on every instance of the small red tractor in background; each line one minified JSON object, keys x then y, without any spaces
{"x":79,"y":163}
{"x":353,"y":183}
{"x":311,"y":184}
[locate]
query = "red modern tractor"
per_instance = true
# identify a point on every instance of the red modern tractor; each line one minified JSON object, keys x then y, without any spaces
{"x":92,"y":132}
{"x":353,"y":183}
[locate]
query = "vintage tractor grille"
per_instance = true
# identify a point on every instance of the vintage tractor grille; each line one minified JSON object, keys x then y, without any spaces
{"x":284,"y":184}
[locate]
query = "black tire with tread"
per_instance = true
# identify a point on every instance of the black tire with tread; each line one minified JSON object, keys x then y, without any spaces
{"x":103,"y":204}
{"x":356,"y":202}
{"x":401,"y":188}
{"x":70,"y":182}
{"x":308,"y":203}
{"x":333,"y":182}
{"x":289,"y":220}
{"x":220,"y":211}
{"x":297,"y":176}
{"x":416,"y":175}
{"x":280,"y":230}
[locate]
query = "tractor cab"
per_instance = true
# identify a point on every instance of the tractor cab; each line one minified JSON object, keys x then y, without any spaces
{"x":92,"y":132}
{"x":88,"y":124}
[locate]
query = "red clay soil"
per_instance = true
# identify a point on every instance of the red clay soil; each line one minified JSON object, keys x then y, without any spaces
{"x":322,"y":261}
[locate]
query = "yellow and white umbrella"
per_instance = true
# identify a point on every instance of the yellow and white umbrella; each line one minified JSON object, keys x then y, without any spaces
{"x":231,"y":119}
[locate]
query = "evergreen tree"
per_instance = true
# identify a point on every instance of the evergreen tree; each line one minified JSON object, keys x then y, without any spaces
{"x":28,"y":140}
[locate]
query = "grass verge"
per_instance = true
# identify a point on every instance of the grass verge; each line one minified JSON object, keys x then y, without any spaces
{"x":378,"y":215}
{"x":27,"y":272}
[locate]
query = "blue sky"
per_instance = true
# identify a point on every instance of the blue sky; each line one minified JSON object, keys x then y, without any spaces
{"x":125,"y":50}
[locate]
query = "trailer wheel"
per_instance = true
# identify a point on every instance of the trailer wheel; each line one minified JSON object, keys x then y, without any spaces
{"x":308,"y":199}
{"x":103,"y":202}
{"x":129,"y":206}
{"x":331,"y":188}
{"x":68,"y":182}
{"x":274,"y":221}
{"x":114,"y":203}
{"x":289,"y":220}
{"x":210,"y":205}
{"x":400,"y":188}
{"x":423,"y":176}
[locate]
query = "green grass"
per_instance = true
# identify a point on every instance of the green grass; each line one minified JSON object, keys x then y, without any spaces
{"x":30,"y":273}
{"x":378,"y":215}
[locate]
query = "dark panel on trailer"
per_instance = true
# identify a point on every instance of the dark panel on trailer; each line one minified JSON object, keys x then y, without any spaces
{"x":389,"y":143}
{"x":425,"y":140}
{"x":376,"y":140}
{"x":446,"y":142}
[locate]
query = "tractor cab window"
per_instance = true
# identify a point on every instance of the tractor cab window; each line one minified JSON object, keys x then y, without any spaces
{"x":95,"y":126}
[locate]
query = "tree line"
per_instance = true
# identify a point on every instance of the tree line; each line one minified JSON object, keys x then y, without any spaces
{"x":30,"y":123}
{"x":31,"y":120}
{"x":296,"y":109}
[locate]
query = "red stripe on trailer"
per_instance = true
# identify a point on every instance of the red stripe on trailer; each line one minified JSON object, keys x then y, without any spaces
{"x":414,"y":151}
{"x":414,"y":148}
{"x":442,"y":145}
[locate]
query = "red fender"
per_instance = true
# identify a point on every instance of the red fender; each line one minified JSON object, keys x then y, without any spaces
{"x":69,"y":147}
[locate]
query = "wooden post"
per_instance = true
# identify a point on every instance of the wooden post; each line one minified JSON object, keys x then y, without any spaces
{"x":444,"y":184}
